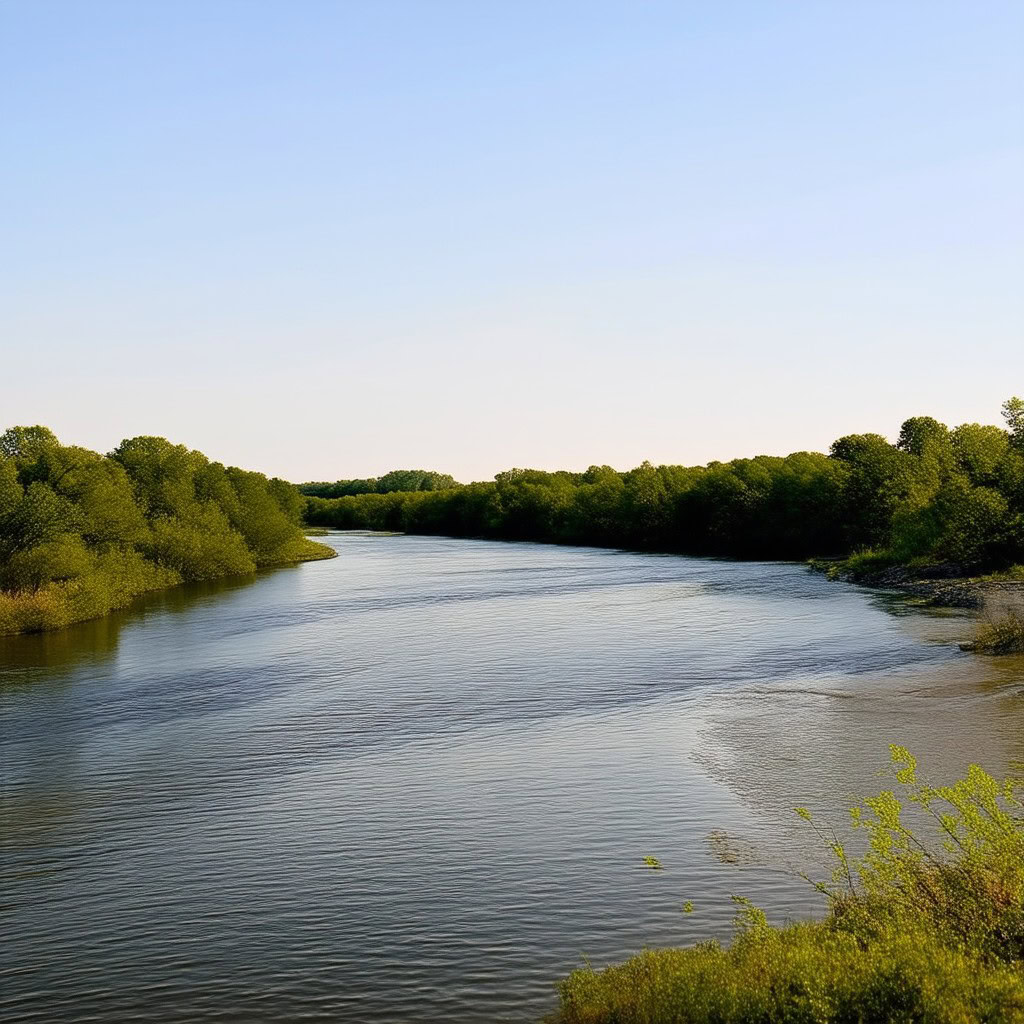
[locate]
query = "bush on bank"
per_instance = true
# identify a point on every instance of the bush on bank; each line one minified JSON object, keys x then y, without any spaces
{"x":1002,"y":632}
{"x":82,"y":533}
{"x":913,"y":933}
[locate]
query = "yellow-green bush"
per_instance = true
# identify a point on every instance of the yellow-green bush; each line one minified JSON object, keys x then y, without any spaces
{"x":812,"y":974}
{"x":916,"y":932}
{"x":300,"y":549}
{"x":113,"y":579}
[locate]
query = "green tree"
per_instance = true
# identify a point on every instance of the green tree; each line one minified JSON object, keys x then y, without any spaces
{"x":1013,"y":413}
{"x":64,"y":557}
{"x":878,"y":480}
{"x":919,"y":433}
{"x":26,"y":442}
{"x":40,"y":516}
{"x":81,"y":533}
{"x":979,"y":451}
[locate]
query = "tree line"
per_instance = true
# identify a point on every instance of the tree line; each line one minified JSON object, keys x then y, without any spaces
{"x":396,"y":480}
{"x":83,"y":533}
{"x":936,"y":495}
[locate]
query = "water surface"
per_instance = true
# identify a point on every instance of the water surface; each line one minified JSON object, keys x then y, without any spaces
{"x":416,"y":782}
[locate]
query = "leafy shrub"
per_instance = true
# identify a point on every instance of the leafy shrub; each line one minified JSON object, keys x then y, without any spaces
{"x":913,"y":933}
{"x":201,"y":547}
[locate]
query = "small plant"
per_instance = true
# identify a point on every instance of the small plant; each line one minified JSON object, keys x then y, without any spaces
{"x":1001,"y":631}
{"x":1015,"y":574}
{"x":970,"y":890}
{"x":862,"y":563}
{"x":653,"y":863}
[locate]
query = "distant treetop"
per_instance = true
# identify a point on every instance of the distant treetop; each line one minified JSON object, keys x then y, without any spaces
{"x":396,"y":480}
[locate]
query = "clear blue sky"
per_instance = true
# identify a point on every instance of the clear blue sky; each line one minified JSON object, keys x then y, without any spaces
{"x":329,"y":239}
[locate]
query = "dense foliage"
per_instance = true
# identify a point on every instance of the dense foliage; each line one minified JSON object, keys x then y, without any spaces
{"x":396,"y":480}
{"x":936,"y":495}
{"x":913,"y":933}
{"x":82,"y":533}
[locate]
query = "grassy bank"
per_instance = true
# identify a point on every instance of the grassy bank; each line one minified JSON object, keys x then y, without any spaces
{"x":113,"y":582}
{"x":914,"y":933}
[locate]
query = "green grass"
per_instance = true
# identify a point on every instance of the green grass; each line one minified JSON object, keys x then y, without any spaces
{"x":857,"y":566}
{"x":1015,"y":574}
{"x":301,"y":550}
{"x":913,"y":934}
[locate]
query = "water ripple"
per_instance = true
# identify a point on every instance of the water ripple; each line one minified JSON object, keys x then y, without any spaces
{"x":415,"y":783}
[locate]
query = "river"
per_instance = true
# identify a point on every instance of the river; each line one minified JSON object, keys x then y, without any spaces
{"x":417,"y":782}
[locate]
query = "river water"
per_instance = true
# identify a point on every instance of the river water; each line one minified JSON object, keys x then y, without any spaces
{"x":417,"y":782}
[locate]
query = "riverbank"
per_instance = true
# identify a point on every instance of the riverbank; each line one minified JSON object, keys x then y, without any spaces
{"x":937,"y":586}
{"x":114,"y":584}
{"x":83,"y":534}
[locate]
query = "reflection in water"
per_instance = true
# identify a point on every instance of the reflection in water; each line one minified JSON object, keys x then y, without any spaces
{"x":97,"y":639}
{"x":416,"y":782}
{"x":94,"y":639}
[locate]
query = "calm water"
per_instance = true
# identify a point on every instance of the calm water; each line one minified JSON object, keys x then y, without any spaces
{"x":416,"y":782}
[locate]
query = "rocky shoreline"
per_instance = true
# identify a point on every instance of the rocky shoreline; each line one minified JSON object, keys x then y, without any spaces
{"x":942,"y":586}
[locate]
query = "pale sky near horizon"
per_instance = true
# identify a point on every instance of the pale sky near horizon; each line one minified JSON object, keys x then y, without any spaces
{"x":327,"y":240}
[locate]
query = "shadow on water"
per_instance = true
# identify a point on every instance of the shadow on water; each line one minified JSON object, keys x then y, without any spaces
{"x":96,"y":640}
